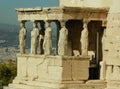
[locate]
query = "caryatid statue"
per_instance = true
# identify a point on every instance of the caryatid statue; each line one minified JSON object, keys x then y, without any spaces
{"x":22,"y":37}
{"x":47,"y":44}
{"x":63,"y":40}
{"x":34,"y":38}
{"x":84,"y":38}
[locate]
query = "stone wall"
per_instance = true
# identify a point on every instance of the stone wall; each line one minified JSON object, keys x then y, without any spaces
{"x":86,"y":3}
{"x":44,"y":68}
{"x":112,"y":46}
{"x":55,"y":72}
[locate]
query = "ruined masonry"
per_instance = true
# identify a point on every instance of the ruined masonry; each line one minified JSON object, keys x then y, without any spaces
{"x":87,"y":51}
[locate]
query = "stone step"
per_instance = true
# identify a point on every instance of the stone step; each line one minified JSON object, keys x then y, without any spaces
{"x":68,"y":86}
{"x":19,"y":86}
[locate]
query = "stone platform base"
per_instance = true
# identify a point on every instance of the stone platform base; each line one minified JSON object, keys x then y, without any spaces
{"x":54,"y":72}
{"x":91,"y":84}
{"x":113,"y":85}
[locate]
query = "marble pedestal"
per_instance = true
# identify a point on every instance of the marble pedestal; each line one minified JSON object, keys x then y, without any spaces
{"x":50,"y":72}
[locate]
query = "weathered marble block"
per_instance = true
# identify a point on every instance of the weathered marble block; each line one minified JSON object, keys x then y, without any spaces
{"x":52,"y":68}
{"x":51,"y":72}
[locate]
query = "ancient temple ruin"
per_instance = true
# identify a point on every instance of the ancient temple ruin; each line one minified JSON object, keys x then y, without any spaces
{"x":87,"y":47}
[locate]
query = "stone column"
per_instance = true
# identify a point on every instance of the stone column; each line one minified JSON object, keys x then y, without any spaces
{"x":22,"y":37}
{"x":47,"y":44}
{"x":63,"y":39}
{"x":84,"y":38}
{"x":34,"y":38}
{"x":41,"y":37}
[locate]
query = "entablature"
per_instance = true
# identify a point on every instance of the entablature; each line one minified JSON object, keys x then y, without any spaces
{"x":62,"y":13}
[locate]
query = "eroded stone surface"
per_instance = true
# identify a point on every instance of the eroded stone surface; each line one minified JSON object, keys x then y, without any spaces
{"x":86,"y":3}
{"x":51,"y":69}
{"x":112,"y":47}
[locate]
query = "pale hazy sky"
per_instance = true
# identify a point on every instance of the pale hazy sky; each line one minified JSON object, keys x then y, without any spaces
{"x":7,"y":8}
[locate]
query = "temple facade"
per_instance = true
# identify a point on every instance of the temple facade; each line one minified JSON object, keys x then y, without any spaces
{"x":87,"y":46}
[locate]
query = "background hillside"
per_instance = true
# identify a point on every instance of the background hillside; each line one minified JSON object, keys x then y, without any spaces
{"x":8,"y":41}
{"x":9,"y":35}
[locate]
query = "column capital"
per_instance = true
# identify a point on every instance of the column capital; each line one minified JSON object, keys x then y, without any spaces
{"x":85,"y":23}
{"x":34,"y":23}
{"x":62,"y":22}
{"x":86,"y":20}
{"x":47,"y":23}
{"x":22,"y":23}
